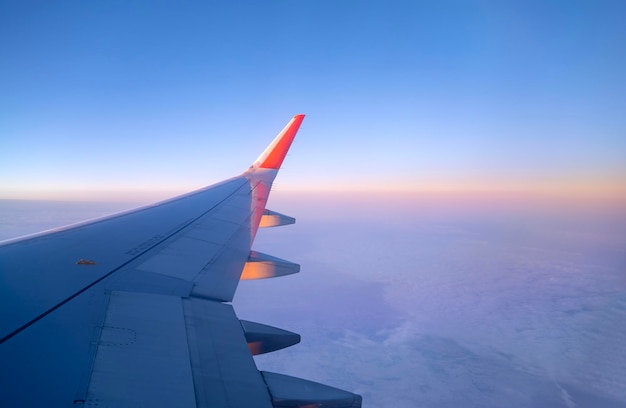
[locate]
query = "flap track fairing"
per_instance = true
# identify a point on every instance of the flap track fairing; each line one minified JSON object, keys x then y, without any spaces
{"x":292,"y":392}
{"x":265,"y":339}
{"x":274,"y":219}
{"x":263,"y":266}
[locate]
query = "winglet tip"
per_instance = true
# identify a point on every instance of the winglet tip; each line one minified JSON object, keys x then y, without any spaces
{"x":273,"y":156}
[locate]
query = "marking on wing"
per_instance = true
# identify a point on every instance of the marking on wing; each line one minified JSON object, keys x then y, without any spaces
{"x":114,"y":336}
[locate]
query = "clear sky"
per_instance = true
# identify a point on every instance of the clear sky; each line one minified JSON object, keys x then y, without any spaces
{"x":118,"y":99}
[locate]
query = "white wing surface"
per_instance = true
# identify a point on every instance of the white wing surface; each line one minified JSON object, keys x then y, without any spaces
{"x":133,"y":310}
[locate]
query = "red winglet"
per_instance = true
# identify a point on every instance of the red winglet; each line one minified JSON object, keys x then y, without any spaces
{"x":273,"y":156}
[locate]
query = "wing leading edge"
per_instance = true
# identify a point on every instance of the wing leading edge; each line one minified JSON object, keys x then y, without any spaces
{"x":132,"y":309}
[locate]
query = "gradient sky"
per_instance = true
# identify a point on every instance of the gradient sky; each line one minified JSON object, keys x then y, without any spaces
{"x":119,"y":99}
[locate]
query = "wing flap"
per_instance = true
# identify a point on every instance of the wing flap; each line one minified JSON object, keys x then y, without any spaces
{"x":143,"y":356}
{"x":163,"y":351}
{"x":223,"y":369}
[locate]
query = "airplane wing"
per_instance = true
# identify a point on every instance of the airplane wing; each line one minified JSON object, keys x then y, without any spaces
{"x":133,"y":310}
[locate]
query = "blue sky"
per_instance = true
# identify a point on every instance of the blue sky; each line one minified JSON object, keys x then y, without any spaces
{"x":118,"y":99}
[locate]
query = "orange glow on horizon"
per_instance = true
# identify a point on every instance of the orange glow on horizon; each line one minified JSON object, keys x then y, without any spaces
{"x":605,"y":194}
{"x":608,"y":193}
{"x":381,"y":204}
